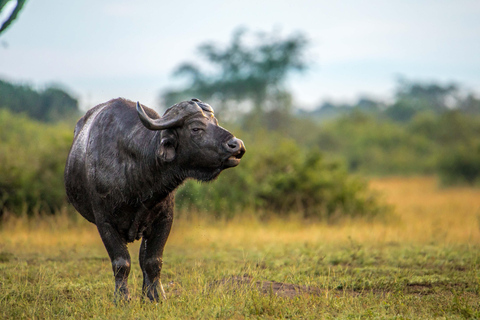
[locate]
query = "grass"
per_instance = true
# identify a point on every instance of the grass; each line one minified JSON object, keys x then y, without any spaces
{"x":424,"y":263}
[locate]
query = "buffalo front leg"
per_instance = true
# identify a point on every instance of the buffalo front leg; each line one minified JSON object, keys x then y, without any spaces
{"x":117,"y":250}
{"x":151,"y":260}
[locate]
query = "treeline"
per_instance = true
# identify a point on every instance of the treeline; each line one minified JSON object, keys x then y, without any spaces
{"x":411,"y":98}
{"x":310,"y":165}
{"x":293,"y":164}
{"x":277,"y":176}
{"x":49,"y":105}
{"x":429,"y":128}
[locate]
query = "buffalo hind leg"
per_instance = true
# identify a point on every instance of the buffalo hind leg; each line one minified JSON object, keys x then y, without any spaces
{"x":119,"y":256}
{"x":151,"y":255}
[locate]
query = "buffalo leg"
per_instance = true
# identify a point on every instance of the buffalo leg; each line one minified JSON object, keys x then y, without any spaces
{"x":117,"y":250}
{"x":151,"y":259}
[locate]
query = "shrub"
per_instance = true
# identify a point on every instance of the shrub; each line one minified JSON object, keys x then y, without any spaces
{"x":460,"y":165}
{"x":280,"y":177}
{"x":377,"y":146}
{"x":32,"y":159}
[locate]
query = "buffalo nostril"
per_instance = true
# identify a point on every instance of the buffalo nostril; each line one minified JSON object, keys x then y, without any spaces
{"x":233,"y":144}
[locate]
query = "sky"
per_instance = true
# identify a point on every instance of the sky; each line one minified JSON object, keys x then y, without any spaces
{"x":100,"y":50}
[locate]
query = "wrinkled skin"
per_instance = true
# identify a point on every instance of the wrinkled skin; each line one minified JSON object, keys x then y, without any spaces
{"x":122,"y":171}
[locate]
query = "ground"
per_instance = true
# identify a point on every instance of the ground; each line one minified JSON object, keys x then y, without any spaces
{"x":422,"y":262}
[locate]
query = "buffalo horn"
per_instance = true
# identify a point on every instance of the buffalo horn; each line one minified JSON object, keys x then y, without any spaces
{"x":169,"y":120}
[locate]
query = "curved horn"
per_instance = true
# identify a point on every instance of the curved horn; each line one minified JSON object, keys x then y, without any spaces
{"x":169,"y":120}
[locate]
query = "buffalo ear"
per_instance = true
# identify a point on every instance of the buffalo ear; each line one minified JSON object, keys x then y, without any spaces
{"x":167,"y":146}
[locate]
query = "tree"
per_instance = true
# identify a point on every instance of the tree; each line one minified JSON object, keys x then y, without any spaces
{"x":50,"y":105}
{"x":470,"y":105}
{"x":414,"y":97}
{"x":238,"y":72}
{"x":56,"y":104}
{"x":13,"y":15}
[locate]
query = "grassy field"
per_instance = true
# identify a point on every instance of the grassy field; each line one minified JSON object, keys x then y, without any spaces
{"x":421,"y":263}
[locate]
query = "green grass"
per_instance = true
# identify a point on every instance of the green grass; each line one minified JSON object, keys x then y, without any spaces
{"x":57,"y":268}
{"x":347,"y":281}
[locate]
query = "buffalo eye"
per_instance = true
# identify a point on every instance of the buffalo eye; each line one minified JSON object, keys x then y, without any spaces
{"x":197,"y":130}
{"x":197,"y":127}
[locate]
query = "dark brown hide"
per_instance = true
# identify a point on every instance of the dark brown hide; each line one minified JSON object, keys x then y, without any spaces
{"x":124,"y":166}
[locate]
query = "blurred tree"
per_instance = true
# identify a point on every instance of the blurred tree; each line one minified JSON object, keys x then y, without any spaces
{"x":52,"y":104}
{"x":375,"y":145}
{"x":254,"y":74}
{"x":460,"y":164}
{"x":470,"y":105}
{"x":368,"y":105}
{"x":328,"y":110}
{"x":413,"y":97}
{"x":57,"y":104}
{"x":13,"y":15}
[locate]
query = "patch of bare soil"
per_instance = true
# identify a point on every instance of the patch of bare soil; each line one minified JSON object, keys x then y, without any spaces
{"x":286,"y":290}
{"x":420,"y":288}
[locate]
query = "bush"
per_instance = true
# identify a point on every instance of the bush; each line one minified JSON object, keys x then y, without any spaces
{"x":32,"y":159}
{"x":278,"y":176}
{"x":377,"y":146}
{"x":460,"y":165}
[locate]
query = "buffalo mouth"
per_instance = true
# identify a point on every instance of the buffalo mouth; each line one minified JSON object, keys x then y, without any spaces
{"x":234,"y":159}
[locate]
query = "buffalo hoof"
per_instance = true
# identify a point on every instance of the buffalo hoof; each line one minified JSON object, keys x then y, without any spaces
{"x":121,"y":297}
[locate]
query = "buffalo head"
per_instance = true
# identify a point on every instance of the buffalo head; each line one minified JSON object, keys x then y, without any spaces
{"x":192,"y":138}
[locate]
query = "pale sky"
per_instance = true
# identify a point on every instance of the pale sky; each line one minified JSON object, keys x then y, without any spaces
{"x":106,"y":49}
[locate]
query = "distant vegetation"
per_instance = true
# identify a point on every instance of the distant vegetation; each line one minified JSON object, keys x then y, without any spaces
{"x":49,"y":105}
{"x":279,"y":173}
{"x":34,"y":143}
{"x":279,"y":176}
{"x":302,"y":162}
{"x":429,"y":128}
{"x":32,"y":158}
{"x":252,"y":75}
{"x":411,"y":98}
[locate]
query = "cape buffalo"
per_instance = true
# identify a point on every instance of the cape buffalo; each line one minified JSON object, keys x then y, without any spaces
{"x":124,"y":166}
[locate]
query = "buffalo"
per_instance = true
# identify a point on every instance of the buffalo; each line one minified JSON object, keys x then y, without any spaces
{"x":124,"y":166}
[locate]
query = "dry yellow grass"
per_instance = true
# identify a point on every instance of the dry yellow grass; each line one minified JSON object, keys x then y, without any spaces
{"x":424,"y":213}
{"x":429,"y":213}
